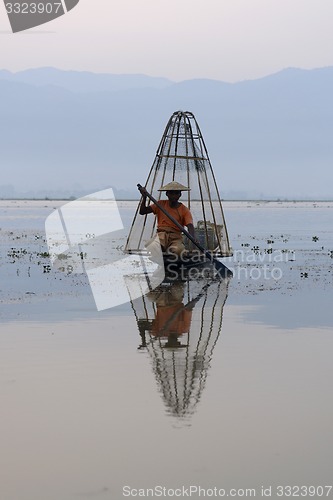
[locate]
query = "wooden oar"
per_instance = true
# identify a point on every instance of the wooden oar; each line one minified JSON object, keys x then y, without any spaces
{"x":222,"y":269}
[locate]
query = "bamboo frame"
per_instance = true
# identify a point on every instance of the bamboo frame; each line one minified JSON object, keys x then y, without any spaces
{"x":182,"y":156}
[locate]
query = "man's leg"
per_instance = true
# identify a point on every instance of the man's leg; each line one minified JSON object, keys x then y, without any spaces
{"x":176,"y":246}
{"x":155,"y":246}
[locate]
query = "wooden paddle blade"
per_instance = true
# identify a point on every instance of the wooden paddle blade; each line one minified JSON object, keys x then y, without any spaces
{"x":222,"y":270}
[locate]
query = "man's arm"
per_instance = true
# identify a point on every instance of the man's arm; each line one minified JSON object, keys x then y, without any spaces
{"x":191,"y":230}
{"x":188,"y":222}
{"x":143,"y":208}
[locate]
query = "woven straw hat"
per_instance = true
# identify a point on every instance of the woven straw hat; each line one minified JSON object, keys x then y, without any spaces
{"x":174,"y":186}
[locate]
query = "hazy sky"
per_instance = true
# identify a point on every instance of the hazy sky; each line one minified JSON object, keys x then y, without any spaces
{"x":228,"y":40}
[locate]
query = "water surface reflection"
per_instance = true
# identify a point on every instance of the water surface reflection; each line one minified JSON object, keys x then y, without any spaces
{"x":179,"y":324}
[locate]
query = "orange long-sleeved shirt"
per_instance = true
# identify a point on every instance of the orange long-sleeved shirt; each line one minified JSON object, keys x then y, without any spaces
{"x":181,"y":214}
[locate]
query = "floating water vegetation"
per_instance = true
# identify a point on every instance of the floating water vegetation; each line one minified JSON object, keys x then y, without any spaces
{"x":14,"y":253}
{"x":44,"y":255}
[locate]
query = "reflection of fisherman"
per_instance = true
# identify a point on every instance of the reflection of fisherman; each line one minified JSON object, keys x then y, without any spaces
{"x":168,"y":234}
{"x":179,"y":343}
{"x":172,"y":317}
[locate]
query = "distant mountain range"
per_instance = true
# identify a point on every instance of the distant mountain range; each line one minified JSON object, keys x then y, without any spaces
{"x":84,"y":81}
{"x":67,"y":133}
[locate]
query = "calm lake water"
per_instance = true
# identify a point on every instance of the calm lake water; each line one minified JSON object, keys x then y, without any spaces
{"x":223,"y":385}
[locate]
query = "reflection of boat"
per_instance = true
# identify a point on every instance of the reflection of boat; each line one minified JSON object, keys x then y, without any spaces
{"x":179,"y":323}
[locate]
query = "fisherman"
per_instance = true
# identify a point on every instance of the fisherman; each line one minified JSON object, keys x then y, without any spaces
{"x":168,"y":236}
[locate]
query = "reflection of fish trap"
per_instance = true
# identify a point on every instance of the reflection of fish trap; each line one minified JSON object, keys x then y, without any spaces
{"x":179,"y":325}
{"x":182,"y":156}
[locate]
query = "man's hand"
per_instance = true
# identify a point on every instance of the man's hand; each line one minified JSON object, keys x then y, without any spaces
{"x":142,"y":190}
{"x":143,"y":209}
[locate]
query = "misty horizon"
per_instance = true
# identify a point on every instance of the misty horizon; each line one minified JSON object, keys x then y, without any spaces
{"x":268,"y":138}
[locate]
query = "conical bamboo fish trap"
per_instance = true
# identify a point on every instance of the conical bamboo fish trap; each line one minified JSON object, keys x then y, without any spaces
{"x":182,"y":156}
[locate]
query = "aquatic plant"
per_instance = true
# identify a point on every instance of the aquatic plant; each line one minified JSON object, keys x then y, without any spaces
{"x":43,"y":254}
